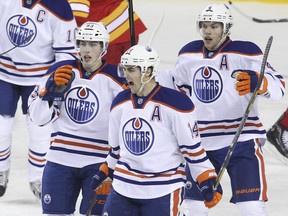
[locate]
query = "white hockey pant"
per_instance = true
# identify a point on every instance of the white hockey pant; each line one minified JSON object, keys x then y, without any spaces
{"x":39,"y":142}
{"x":195,"y":208}
{"x":252,"y":208}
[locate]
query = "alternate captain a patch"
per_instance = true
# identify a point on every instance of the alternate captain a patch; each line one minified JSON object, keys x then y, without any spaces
{"x":207,"y":84}
{"x":138,"y":136}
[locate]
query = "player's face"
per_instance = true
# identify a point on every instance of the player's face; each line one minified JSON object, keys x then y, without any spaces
{"x":132,"y":75}
{"x":90,"y":51}
{"x":212,"y":34}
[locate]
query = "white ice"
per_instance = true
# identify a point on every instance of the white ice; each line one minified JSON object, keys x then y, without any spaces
{"x":178,"y":28}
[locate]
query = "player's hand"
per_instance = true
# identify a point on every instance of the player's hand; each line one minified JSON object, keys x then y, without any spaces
{"x":63,"y":75}
{"x":57,"y":84}
{"x":247,"y":81}
{"x":99,"y":176}
{"x":206,"y":182}
{"x":104,"y":189}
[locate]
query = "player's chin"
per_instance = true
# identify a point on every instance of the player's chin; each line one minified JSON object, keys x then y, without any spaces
{"x":212,"y":46}
{"x":134,"y":90}
{"x":88,"y":62}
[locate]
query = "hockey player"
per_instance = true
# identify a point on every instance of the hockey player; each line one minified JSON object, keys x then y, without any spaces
{"x":41,"y":33}
{"x":76,"y":96}
{"x":152,"y":134}
{"x":277,"y":135}
{"x":114,"y":14}
{"x":219,"y":75}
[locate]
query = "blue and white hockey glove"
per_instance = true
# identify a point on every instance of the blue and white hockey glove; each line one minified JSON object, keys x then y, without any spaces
{"x":57,"y":84}
{"x":206,"y":181}
{"x":103,"y":173}
{"x":247,"y":81}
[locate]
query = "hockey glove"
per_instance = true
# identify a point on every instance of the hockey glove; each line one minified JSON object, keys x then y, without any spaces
{"x":247,"y":81}
{"x":57,"y":84}
{"x":104,"y":188}
{"x":103,"y":173}
{"x":206,"y":182}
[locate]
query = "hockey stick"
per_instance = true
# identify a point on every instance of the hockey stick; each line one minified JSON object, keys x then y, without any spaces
{"x":245,"y":116}
{"x":22,"y":42}
{"x":256,"y":19}
{"x":107,"y":186}
{"x":91,"y":205}
{"x":156,"y":29}
{"x":131,"y":23}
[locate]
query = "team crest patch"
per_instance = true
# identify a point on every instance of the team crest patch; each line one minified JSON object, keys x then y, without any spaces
{"x":47,"y":198}
{"x":81,"y":104}
{"x":21,"y":30}
{"x":207,"y":84}
{"x":138,"y":136}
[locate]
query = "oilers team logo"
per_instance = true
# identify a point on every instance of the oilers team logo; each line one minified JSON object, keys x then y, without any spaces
{"x":21,"y":30}
{"x":47,"y":198}
{"x":138,"y":136}
{"x":207,"y":84}
{"x":81,"y":104}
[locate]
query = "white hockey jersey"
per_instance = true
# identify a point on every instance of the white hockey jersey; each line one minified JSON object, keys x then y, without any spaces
{"x":151,"y":138}
{"x":81,"y":121}
{"x":206,"y":77}
{"x":43,"y":32}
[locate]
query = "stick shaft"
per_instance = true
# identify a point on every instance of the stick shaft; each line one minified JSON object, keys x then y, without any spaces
{"x":245,"y":116}
{"x":22,"y":42}
{"x":131,"y":23}
{"x":256,"y":19}
{"x":91,"y":205}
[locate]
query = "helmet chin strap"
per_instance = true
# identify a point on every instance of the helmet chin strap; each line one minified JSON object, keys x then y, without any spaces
{"x":144,"y":83}
{"x":224,"y":36}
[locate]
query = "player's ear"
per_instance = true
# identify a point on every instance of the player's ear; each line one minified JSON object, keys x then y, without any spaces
{"x":149,"y":71}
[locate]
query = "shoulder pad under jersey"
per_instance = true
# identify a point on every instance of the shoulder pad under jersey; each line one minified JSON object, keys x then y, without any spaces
{"x":243,"y":47}
{"x":60,"y":8}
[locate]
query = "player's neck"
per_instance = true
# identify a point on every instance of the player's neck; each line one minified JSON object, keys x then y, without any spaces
{"x":147,"y":88}
{"x":94,"y":67}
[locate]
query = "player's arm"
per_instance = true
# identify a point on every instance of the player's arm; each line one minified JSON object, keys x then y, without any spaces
{"x":276,"y":83}
{"x":246,"y":78}
{"x":181,"y":76}
{"x":206,"y":182}
{"x":273,"y":84}
{"x":107,"y":168}
{"x":58,"y":83}
{"x":201,"y":169}
{"x":43,"y":101}
{"x":63,"y":27}
{"x":39,"y":111}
